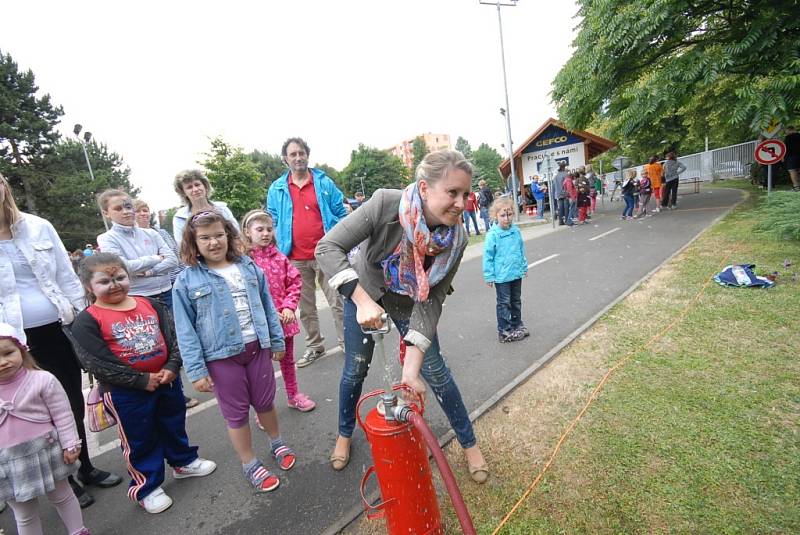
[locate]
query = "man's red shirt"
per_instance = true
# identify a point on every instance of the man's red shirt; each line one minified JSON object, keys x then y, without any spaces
{"x":307,"y":227}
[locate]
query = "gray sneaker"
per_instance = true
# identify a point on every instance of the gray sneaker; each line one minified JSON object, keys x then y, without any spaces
{"x":309,"y":357}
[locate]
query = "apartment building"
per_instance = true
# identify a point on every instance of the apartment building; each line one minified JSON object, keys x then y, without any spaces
{"x":405,"y":149}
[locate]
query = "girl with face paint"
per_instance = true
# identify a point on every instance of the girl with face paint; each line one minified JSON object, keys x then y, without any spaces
{"x":129,"y":344}
{"x":147,"y":256}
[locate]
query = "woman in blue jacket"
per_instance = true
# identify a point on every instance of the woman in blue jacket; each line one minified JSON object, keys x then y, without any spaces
{"x":504,"y":265}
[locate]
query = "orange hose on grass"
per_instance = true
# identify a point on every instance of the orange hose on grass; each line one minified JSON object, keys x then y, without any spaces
{"x":597,"y":390}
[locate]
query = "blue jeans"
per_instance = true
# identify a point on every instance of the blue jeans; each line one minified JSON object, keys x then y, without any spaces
{"x":629,"y":204}
{"x":509,"y":305}
{"x":358,"y":349}
{"x":471,"y":215}
{"x":563,"y":210}
{"x":540,"y":208}
{"x":485,"y":217}
{"x":573,"y":211}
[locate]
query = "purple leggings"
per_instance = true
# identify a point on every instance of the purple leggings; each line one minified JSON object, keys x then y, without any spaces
{"x":241,"y":381}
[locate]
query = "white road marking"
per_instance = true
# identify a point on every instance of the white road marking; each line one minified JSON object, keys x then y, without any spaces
{"x":604,"y":234}
{"x":542,"y":260}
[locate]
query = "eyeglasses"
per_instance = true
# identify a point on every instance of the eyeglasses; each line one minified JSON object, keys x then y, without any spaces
{"x":216,"y":237}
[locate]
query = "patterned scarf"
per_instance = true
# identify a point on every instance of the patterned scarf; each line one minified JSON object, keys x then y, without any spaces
{"x":404,"y":270}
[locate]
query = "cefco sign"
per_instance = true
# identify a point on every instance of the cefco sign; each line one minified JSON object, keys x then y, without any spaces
{"x":563,"y":146}
{"x":550,"y":141}
{"x":770,"y":152}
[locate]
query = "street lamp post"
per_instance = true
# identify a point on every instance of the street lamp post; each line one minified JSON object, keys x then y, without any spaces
{"x":506,"y":111}
{"x":87,"y":137}
{"x":549,"y":166}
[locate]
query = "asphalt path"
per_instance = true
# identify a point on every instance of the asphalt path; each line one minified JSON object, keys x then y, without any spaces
{"x":575,"y":273}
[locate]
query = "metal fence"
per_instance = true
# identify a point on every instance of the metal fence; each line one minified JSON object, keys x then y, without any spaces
{"x":717,"y":164}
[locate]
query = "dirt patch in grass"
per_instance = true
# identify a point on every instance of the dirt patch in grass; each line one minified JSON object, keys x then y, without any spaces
{"x":697,"y":432}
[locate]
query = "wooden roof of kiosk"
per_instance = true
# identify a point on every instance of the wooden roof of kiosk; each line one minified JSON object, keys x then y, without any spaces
{"x":594,"y":145}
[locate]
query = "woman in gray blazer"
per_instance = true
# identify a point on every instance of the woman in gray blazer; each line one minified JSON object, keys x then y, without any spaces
{"x":410,"y":245}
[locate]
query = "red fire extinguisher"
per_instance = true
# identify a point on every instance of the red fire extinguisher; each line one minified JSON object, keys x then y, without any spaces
{"x":408,"y":498}
{"x":398,"y":435}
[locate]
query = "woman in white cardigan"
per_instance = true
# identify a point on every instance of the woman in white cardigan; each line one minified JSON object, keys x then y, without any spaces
{"x":39,"y":292}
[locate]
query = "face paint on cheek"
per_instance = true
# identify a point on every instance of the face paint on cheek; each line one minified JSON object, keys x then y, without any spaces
{"x":127,"y":205}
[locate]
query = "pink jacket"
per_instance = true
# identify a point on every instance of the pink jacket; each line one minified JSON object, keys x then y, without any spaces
{"x":285,"y":282}
{"x":31,"y":404}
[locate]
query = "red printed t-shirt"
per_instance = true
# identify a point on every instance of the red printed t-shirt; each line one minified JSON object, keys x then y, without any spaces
{"x":307,"y":227}
{"x":134,"y":336}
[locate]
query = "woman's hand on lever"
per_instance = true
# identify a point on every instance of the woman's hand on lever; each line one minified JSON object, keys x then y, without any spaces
{"x":411,"y":368}
{"x":369,"y":314}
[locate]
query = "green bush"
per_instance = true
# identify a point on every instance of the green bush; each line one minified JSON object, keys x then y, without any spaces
{"x":780,"y":216}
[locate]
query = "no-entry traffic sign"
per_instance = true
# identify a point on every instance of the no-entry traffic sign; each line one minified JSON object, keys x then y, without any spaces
{"x":770,"y":151}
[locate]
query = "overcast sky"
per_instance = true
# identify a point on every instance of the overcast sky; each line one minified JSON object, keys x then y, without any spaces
{"x":155,"y":80}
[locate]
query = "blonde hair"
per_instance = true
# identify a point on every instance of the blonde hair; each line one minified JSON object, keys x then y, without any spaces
{"x":138,"y":204}
{"x":10,"y":210}
{"x":104,"y":197}
{"x":503,"y":201}
{"x":248,"y":219}
{"x":630,"y":173}
{"x":435,"y":165}
{"x":190,"y":175}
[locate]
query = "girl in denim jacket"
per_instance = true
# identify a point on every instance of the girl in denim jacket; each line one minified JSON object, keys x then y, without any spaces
{"x":228,"y":329}
{"x":504,"y":265}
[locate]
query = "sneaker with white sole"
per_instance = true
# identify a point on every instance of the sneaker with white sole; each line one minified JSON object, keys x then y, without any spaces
{"x":197,"y":468}
{"x":156,"y":502}
{"x":309,"y":357}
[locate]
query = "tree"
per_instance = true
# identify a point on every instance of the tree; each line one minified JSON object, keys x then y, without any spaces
{"x":67,"y":194}
{"x":724,"y":68}
{"x":27,"y":128}
{"x":234,"y":176}
{"x":462,"y":146}
{"x":270,"y":166}
{"x":331,"y":172}
{"x":419,"y":149}
{"x":377,"y":169}
{"x":486,"y":161}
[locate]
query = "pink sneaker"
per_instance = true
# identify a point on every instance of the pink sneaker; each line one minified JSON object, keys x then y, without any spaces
{"x":302,"y":403}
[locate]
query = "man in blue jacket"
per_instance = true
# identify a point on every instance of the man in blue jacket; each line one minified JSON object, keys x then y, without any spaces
{"x":305,"y":204}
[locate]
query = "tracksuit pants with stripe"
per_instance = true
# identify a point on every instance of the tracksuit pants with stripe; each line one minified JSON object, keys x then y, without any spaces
{"x":152,"y":429}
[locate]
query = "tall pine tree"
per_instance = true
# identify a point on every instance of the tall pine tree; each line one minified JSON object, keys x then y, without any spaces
{"x":27,"y":129}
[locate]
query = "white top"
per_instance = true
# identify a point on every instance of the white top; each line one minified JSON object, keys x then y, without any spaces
{"x":48,"y":260}
{"x":37,"y":309}
{"x":233,"y":277}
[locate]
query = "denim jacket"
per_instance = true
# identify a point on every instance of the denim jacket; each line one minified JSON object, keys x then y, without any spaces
{"x":279,"y":205}
{"x":41,"y":246}
{"x":205,"y":316}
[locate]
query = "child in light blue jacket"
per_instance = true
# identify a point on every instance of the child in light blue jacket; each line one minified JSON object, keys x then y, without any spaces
{"x":504,"y":265}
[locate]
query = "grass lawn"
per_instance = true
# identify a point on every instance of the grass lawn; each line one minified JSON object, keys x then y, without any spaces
{"x":697,"y":430}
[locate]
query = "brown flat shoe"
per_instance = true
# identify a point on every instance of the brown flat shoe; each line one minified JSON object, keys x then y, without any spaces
{"x":338,"y":462}
{"x":479,"y":474}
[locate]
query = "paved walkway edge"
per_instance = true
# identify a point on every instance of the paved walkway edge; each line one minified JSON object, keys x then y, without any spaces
{"x":354,"y":513}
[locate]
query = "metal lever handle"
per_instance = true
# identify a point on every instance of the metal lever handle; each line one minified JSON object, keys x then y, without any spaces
{"x":387,"y":326}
